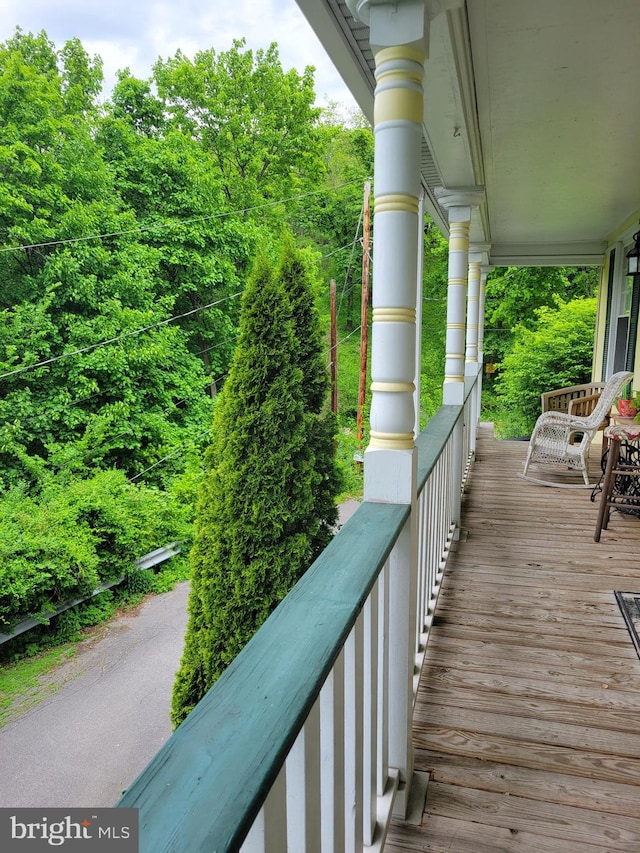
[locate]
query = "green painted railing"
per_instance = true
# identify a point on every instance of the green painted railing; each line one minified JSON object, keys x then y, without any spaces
{"x":293,"y":748}
{"x":204,"y":788}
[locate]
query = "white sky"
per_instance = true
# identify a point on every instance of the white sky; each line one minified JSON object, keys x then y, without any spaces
{"x":134,"y":33}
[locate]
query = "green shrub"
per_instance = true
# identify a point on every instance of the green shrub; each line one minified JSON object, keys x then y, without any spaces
{"x":75,"y":535}
{"x":267,"y":503}
{"x":558,"y":352}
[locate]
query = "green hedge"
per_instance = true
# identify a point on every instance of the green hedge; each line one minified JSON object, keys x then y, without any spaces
{"x":75,"y":535}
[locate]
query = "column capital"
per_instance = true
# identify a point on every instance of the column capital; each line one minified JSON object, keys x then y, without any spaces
{"x":399,"y":22}
{"x":478,"y":252}
{"x":479,"y":247}
{"x":450,"y":197}
{"x":361,"y":9}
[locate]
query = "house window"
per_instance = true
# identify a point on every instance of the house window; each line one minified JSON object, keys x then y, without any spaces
{"x":621,"y":328}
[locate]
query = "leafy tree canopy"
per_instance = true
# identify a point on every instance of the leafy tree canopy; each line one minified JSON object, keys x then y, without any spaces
{"x":254,"y":120}
{"x":514,"y":294}
{"x":556,"y":353}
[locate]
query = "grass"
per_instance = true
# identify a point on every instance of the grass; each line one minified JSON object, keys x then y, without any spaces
{"x":22,"y":683}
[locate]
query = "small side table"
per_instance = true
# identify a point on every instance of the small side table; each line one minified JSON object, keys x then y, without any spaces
{"x":612,"y":495}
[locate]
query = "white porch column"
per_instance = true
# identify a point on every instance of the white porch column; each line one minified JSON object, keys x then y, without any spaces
{"x":484,"y":272}
{"x":458,"y":204}
{"x":473,"y":311}
{"x":399,"y":35}
{"x":473,"y":365}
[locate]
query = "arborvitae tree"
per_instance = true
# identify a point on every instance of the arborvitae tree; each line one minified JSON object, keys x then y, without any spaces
{"x":295,"y":274}
{"x":257,"y":524}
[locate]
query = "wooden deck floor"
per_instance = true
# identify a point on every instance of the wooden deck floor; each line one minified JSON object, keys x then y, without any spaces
{"x":528,"y":714}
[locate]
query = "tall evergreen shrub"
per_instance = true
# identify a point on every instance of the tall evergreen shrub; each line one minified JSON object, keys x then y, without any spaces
{"x":266,"y":506}
{"x":310,"y":354}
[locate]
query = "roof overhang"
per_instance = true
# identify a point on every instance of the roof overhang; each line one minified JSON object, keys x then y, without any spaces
{"x":537,"y":102}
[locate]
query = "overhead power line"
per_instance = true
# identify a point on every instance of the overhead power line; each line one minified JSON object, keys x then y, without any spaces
{"x":169,"y":455}
{"x":91,"y":347}
{"x":121,"y":337}
{"x":159,"y":226}
{"x":346,"y":338}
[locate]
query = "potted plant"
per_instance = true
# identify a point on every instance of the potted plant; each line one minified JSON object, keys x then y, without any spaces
{"x":629,"y":405}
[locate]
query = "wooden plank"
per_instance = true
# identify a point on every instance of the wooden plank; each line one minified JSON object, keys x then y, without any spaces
{"x":593,"y":696}
{"x":599,"y":609}
{"x":529,"y":754}
{"x":527,"y":710}
{"x":526,"y":729}
{"x":599,"y":666}
{"x":468,"y":625}
{"x":543,"y":785}
{"x":610,"y":629}
{"x":545,"y":580}
{"x":433,"y":700}
{"x":611,"y":643}
{"x":561,"y":823}
{"x":574,"y":672}
{"x":440,"y":834}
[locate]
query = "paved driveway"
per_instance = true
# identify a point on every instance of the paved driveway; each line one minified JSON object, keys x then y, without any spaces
{"x":109,"y":714}
{"x":89,"y":740}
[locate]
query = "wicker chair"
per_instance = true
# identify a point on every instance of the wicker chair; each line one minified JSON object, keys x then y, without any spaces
{"x":552,"y":441}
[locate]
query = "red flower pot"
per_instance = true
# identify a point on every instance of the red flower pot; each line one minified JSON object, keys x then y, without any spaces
{"x":626,"y":410}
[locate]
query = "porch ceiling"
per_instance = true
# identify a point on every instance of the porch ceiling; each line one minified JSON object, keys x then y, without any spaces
{"x":538,"y":102}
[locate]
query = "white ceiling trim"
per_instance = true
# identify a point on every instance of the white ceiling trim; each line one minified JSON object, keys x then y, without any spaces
{"x":547,"y":254}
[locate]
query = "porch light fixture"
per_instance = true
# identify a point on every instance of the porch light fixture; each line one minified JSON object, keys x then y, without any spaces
{"x":633,"y":256}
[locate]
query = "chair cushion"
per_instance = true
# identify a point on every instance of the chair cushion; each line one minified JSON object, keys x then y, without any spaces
{"x":624,"y":432}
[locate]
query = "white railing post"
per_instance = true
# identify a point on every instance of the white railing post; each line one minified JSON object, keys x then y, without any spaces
{"x":383,"y":681}
{"x":353,"y":736}
{"x":269,"y":831}
{"x":332,"y":749}
{"x":303,"y":788}
{"x":370,"y":717}
{"x":402,"y":608}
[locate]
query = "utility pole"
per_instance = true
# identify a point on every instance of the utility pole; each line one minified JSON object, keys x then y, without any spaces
{"x":364,"y":322}
{"x":334,"y":350}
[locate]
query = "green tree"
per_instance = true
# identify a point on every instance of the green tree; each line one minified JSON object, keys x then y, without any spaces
{"x":257,"y":522}
{"x":201,"y":254}
{"x":558,"y":352}
{"x":128,"y":404}
{"x":310,"y":355}
{"x":252,"y":119}
{"x":514,"y":294}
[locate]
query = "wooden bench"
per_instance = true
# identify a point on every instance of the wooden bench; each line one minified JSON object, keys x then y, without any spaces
{"x":575,"y":399}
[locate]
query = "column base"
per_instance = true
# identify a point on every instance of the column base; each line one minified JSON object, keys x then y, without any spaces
{"x":390,"y":476}
{"x":453,"y":394}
